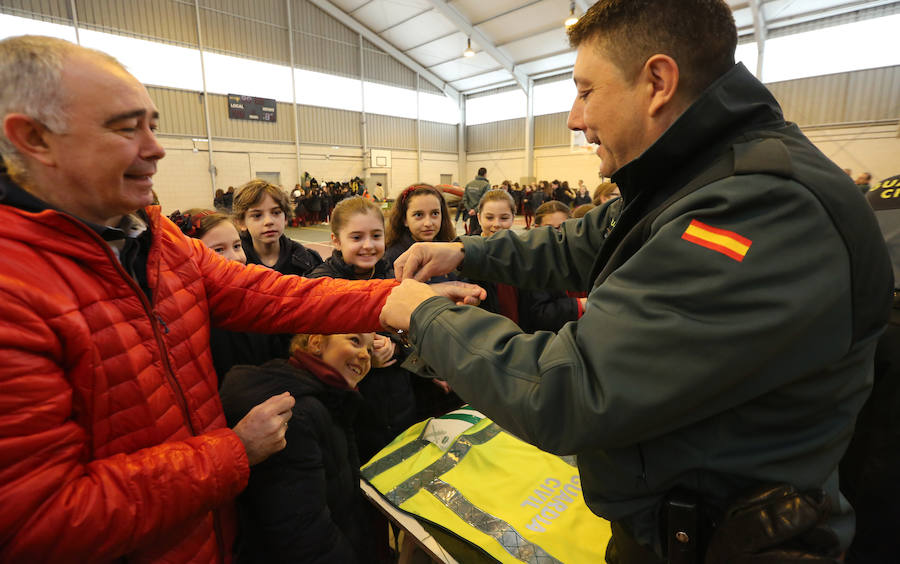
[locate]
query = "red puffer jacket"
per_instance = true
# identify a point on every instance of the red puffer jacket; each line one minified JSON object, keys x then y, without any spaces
{"x":112,"y":437}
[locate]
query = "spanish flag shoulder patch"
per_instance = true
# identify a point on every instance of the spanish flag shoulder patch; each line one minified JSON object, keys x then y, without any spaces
{"x":726,"y":242}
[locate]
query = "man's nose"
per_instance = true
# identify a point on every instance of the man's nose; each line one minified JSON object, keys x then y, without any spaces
{"x":575,"y":121}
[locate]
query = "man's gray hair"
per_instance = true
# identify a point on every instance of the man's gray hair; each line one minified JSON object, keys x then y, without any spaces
{"x":30,"y":83}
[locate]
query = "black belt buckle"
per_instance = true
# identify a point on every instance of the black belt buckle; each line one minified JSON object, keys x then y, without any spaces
{"x":682,"y":528}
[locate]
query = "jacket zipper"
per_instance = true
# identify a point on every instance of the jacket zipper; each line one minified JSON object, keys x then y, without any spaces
{"x":156,"y":322}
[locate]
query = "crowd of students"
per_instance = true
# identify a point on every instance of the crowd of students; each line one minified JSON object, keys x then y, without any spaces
{"x":353,"y":396}
{"x":528,"y":198}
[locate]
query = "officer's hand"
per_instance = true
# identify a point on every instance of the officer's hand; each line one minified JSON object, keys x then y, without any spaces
{"x":262,"y":429}
{"x":423,"y":261}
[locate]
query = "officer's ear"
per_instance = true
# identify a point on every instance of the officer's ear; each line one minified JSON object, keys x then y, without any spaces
{"x":660,"y":79}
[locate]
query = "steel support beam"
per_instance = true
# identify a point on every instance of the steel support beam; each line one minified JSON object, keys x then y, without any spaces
{"x":464,"y":25}
{"x":759,"y":32}
{"x":341,"y":16}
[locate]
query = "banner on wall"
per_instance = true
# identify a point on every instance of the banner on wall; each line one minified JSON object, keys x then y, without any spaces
{"x":251,"y":108}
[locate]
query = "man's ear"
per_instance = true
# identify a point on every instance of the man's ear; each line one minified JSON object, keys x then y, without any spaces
{"x":661,"y":74}
{"x":28,"y":136}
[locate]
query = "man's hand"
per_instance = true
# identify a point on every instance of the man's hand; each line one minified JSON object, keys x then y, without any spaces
{"x":262,"y":429}
{"x":406,"y":297}
{"x":401,"y":302}
{"x":423,"y":261}
{"x":471,"y":212}
{"x":383,"y":352}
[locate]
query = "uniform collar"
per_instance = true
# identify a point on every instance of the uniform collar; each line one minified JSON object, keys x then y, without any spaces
{"x":734,"y":104}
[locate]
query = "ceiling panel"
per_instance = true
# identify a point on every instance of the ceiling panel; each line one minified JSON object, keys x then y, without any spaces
{"x":442,"y":50}
{"x":557,"y":62}
{"x":464,"y":67}
{"x":480,"y":10}
{"x":349,"y":5}
{"x":538,"y":45}
{"x":418,"y":30}
{"x":486,"y":79}
{"x":527,"y":32}
{"x":383,"y":14}
{"x":532,"y":18}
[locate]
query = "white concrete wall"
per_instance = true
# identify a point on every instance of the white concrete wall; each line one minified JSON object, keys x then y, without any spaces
{"x":872,"y":148}
{"x":182,"y":180}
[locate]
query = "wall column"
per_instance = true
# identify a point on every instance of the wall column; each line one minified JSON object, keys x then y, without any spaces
{"x":209,"y":141}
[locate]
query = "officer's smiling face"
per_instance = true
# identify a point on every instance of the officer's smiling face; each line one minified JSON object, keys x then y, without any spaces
{"x":608,"y":109}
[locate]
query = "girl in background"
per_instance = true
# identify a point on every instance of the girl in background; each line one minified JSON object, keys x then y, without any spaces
{"x":303,"y":504}
{"x":605,"y":192}
{"x":528,"y":204}
{"x":357,"y":234}
{"x":419,"y":215}
{"x":261,"y":210}
{"x":532,"y":310}
{"x":551,"y":213}
{"x":229,"y":348}
{"x":582,"y":196}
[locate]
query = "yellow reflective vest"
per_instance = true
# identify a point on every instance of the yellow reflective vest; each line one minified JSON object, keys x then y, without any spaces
{"x":465,"y":474}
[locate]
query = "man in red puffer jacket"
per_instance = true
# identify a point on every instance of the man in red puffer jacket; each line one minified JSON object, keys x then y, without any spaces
{"x":112,"y":438}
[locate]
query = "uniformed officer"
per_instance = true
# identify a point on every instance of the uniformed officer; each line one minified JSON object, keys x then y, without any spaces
{"x":737,"y":291}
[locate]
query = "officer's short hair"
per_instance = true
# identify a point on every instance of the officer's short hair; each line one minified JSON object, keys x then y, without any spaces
{"x":482,"y":171}
{"x":699,"y":34}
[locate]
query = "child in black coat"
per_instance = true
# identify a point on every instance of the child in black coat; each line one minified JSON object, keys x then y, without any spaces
{"x":262,"y":210}
{"x":303,"y":504}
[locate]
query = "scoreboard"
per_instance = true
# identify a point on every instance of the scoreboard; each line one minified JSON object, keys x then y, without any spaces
{"x":251,"y":107}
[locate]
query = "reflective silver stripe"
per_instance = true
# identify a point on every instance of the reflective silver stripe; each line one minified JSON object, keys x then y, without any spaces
{"x":570,"y":460}
{"x":499,"y":530}
{"x":388,"y":461}
{"x":451,"y":458}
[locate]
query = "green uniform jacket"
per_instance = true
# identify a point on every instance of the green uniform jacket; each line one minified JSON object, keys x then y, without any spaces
{"x":474,"y":191}
{"x":689,"y":367}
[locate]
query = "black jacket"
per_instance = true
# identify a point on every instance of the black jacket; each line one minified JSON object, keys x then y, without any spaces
{"x":293,"y":257}
{"x":230,"y":348}
{"x":538,"y":310}
{"x":335,"y":267}
{"x":302,"y":504}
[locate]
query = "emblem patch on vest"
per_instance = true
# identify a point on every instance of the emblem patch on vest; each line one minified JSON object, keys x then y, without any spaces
{"x":723,"y":241}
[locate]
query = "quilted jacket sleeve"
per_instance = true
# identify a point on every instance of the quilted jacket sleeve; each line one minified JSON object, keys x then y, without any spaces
{"x":255,"y":298}
{"x":58,"y":505}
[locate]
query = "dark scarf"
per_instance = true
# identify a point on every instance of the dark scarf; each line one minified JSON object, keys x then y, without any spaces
{"x":324,"y":373}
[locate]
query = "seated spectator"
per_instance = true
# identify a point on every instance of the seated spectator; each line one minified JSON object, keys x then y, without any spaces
{"x":261,"y":210}
{"x":304,"y":504}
